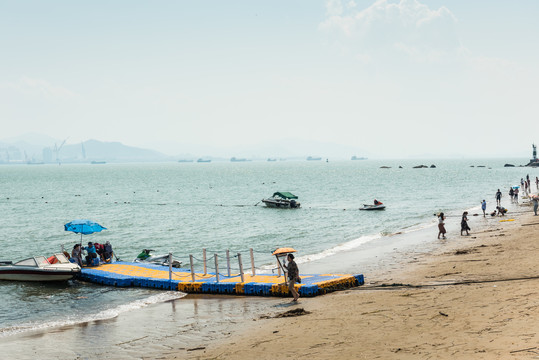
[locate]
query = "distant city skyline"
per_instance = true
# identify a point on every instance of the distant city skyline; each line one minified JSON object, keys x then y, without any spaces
{"x":384,"y":79}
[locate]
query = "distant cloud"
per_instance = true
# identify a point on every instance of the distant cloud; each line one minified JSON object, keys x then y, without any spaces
{"x":40,"y":87}
{"x":407,"y":27}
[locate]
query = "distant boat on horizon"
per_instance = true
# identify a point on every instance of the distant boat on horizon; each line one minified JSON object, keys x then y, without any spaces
{"x":311,"y":158}
{"x":201,"y":160}
{"x":98,"y":162}
{"x":235,"y":159}
{"x":271,"y":159}
{"x":185,"y":161}
{"x":358,"y":158}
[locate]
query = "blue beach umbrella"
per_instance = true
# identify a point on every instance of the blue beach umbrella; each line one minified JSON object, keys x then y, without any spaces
{"x":83,"y":227}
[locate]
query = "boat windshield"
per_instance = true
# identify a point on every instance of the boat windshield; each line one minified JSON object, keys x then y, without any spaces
{"x":41,"y":260}
{"x":61,"y":258}
{"x":27,"y":262}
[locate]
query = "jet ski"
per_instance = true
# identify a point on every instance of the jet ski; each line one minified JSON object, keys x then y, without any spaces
{"x":146,"y":256}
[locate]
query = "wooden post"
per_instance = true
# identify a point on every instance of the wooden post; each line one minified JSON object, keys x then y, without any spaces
{"x":169,"y":266}
{"x":216,"y":268}
{"x":192,"y":268}
{"x":252,"y":261}
{"x":241,"y":267}
{"x":228,"y":261}
{"x":204,"y":259}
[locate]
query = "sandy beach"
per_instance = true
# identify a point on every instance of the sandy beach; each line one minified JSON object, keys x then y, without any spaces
{"x":474,"y":297}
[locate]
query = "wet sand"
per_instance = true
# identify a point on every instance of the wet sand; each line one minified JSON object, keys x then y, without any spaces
{"x":474,"y":297}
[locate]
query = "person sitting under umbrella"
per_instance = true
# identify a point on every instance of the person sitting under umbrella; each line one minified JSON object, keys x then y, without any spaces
{"x":92,"y":254}
{"x":107,"y":252}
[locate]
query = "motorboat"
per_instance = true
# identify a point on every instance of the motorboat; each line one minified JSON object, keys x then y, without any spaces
{"x":373,"y":207}
{"x":146,"y":256}
{"x":39,"y":268}
{"x":282,"y":200}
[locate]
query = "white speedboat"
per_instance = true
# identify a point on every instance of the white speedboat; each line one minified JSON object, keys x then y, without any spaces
{"x":39,"y":268}
{"x":282,"y":200}
{"x":373,"y":207}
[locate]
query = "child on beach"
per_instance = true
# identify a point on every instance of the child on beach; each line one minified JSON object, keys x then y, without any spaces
{"x":464,"y":224}
{"x":441,"y":226}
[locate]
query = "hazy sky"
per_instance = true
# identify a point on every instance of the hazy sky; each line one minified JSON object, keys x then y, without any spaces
{"x":396,"y":78}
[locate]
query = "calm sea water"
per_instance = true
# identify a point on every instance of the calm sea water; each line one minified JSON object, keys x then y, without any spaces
{"x":184,"y":207}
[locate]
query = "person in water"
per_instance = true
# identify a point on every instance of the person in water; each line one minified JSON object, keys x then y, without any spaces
{"x":464,"y":224}
{"x":484,"y":208}
{"x":441,"y":227}
{"x":293,"y":276}
{"x":498,"y":197}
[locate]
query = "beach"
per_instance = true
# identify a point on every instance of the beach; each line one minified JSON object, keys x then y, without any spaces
{"x":473,"y":297}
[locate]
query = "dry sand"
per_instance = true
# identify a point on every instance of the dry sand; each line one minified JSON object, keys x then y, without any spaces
{"x":476,"y":297}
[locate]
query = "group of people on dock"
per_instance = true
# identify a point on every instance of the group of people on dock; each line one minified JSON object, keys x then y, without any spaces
{"x":95,"y":253}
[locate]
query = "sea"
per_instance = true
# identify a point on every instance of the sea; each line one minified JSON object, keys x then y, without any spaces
{"x":183,"y":208}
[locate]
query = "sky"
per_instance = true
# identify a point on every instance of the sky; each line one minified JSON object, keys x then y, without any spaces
{"x":405,"y":78}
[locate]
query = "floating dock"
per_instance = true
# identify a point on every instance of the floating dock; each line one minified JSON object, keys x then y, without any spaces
{"x":126,"y":274}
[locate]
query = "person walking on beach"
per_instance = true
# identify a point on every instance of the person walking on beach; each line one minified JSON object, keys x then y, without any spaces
{"x":293,"y":275}
{"x":512,"y":195}
{"x":464,"y":224}
{"x":441,"y":227}
{"x":484,"y":208}
{"x":515,"y":194}
{"x":498,"y":197}
{"x":535,"y":200}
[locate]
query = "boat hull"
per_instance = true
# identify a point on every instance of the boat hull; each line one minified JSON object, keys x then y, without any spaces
{"x":279,"y":204}
{"x":373,"y":207}
{"x":36,"y":275}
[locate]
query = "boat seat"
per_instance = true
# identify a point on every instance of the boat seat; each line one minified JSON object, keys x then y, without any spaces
{"x":6,"y":262}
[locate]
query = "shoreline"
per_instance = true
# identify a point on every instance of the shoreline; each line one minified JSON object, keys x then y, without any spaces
{"x":467,"y":298}
{"x":217,"y":319}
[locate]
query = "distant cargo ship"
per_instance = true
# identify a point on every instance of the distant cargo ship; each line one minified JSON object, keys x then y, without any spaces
{"x":311,"y":158}
{"x":201,"y":160}
{"x":358,"y":158}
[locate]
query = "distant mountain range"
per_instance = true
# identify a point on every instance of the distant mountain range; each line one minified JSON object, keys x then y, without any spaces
{"x":33,"y":149}
{"x":36,"y":149}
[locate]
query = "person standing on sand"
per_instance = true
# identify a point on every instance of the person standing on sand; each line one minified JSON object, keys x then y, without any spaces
{"x":464,"y":224}
{"x":512,"y":195}
{"x":293,"y":275}
{"x":498,"y":197}
{"x":484,"y":208}
{"x":441,"y":227}
{"x":535,"y":201}
{"x":515,"y":194}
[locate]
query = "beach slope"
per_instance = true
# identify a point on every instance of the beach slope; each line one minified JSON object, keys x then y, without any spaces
{"x":475,"y":297}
